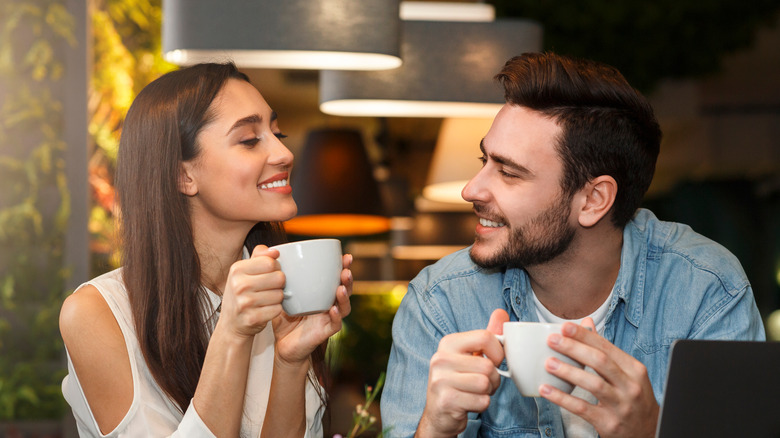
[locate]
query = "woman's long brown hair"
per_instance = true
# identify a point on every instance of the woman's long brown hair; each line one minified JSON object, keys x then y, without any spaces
{"x":161,"y":268}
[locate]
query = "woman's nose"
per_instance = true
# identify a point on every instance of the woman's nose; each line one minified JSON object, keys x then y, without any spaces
{"x":281,"y":156}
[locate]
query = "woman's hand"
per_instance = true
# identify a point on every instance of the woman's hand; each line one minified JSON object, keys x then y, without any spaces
{"x":253,"y":293}
{"x":297,"y":337}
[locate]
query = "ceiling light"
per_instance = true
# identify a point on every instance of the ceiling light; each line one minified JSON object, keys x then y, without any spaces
{"x":447,"y":71}
{"x":447,"y":11}
{"x":455,"y":159}
{"x":288,"y":34}
{"x":334,"y":187}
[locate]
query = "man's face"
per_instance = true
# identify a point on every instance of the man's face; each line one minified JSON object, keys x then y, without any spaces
{"x":524,"y":218}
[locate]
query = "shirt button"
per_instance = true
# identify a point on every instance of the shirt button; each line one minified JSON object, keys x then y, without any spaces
{"x":517,"y":301}
{"x":548,"y":432}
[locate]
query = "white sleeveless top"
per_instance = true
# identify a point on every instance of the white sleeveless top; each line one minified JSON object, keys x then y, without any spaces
{"x":152,"y":413}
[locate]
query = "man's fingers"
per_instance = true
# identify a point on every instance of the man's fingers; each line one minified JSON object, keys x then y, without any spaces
{"x":590,"y":349}
{"x":476,"y":341}
{"x":497,"y":320}
{"x":587,"y":380}
{"x":472,"y":383}
{"x":575,"y":405}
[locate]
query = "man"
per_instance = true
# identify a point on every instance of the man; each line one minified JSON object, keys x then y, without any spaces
{"x":560,"y":238}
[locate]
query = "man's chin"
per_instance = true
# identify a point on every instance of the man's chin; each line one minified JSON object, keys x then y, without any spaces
{"x":483,"y":258}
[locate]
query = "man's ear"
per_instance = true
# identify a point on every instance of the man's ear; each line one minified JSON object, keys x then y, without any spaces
{"x":599,"y":196}
{"x":187,"y":184}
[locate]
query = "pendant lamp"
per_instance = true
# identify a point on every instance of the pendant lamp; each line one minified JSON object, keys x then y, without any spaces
{"x":455,"y":159}
{"x":284,"y":34}
{"x":334,"y":187}
{"x":447,"y":71}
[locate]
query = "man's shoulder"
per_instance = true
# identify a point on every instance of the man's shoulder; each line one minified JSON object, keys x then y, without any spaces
{"x":677,"y":242}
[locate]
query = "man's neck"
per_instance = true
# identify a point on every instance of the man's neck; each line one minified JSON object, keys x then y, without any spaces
{"x":577,"y":282}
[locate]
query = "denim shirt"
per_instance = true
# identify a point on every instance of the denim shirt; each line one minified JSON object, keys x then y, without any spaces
{"x":673,"y":284}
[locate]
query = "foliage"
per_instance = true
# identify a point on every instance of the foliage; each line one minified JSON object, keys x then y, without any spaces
{"x":34,"y":207}
{"x":361,"y":350}
{"x":646,"y":40}
{"x":362,"y":420}
{"x":127,"y":56}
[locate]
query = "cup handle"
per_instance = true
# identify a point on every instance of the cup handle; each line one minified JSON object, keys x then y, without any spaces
{"x":502,"y":372}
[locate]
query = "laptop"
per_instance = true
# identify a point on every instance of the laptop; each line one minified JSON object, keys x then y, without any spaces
{"x":721,"y":389}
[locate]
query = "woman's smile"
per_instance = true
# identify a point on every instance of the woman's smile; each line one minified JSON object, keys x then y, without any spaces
{"x":279,"y":183}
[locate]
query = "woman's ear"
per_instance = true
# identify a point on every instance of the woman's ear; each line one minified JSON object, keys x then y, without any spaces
{"x":187,"y":184}
{"x":599,"y":195}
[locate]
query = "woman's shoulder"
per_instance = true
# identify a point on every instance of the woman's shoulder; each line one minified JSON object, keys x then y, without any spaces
{"x":87,"y":309}
{"x":98,"y":352}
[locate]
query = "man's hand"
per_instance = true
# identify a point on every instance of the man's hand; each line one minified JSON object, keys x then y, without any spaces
{"x":626,"y":405}
{"x":461,"y":379}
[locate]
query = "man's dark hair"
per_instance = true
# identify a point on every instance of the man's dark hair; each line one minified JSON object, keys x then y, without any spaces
{"x":608,"y":127}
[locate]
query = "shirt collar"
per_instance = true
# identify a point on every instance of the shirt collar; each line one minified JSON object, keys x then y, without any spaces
{"x":632,"y":277}
{"x":629,"y":285}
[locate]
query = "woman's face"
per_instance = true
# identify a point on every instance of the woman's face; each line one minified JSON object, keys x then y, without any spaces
{"x":241,"y":175}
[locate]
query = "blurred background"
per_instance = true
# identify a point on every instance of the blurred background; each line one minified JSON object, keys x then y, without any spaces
{"x":386,"y":144}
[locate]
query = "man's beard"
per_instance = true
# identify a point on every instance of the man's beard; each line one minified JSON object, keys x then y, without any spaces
{"x":542,"y":239}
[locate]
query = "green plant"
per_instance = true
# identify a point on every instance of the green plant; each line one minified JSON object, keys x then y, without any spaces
{"x":126,"y":57}
{"x":34,"y":207}
{"x":362,"y":420}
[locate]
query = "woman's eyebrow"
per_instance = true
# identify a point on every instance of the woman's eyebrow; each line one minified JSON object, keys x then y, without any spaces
{"x":254,"y":119}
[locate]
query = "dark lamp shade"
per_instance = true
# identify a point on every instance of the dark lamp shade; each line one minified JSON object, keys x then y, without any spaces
{"x":447,"y":71}
{"x":334,"y":187}
{"x":287,"y":34}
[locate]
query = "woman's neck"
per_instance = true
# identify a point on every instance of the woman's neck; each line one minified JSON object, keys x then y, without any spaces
{"x":217,"y":251}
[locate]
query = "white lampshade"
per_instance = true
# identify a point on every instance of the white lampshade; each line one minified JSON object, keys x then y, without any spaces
{"x":455,"y":159}
{"x":447,"y":11}
{"x":447,"y":71}
{"x":287,"y":34}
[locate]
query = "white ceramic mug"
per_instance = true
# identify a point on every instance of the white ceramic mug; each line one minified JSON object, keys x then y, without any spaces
{"x":526,"y":350}
{"x":312,"y":271}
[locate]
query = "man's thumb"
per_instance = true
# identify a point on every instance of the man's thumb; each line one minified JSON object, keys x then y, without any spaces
{"x":497,"y":320}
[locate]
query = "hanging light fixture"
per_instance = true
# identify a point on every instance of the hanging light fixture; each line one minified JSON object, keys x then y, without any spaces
{"x":286,"y":34}
{"x":447,"y":11}
{"x":447,"y":71}
{"x":334,"y":187}
{"x":455,"y":159}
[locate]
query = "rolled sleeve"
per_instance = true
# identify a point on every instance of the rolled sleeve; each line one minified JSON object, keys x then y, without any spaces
{"x":192,"y":425}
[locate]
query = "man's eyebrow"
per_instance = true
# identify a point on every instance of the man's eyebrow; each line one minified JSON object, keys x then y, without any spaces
{"x":254,"y":119}
{"x":506,"y":162}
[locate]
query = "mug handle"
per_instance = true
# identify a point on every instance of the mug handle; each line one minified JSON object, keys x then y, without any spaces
{"x":502,"y":372}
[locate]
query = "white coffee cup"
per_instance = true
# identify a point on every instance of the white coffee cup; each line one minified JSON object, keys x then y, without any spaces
{"x":312,"y":271}
{"x":526,"y":350}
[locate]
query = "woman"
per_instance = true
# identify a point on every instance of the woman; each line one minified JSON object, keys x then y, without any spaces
{"x":188,"y":338}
